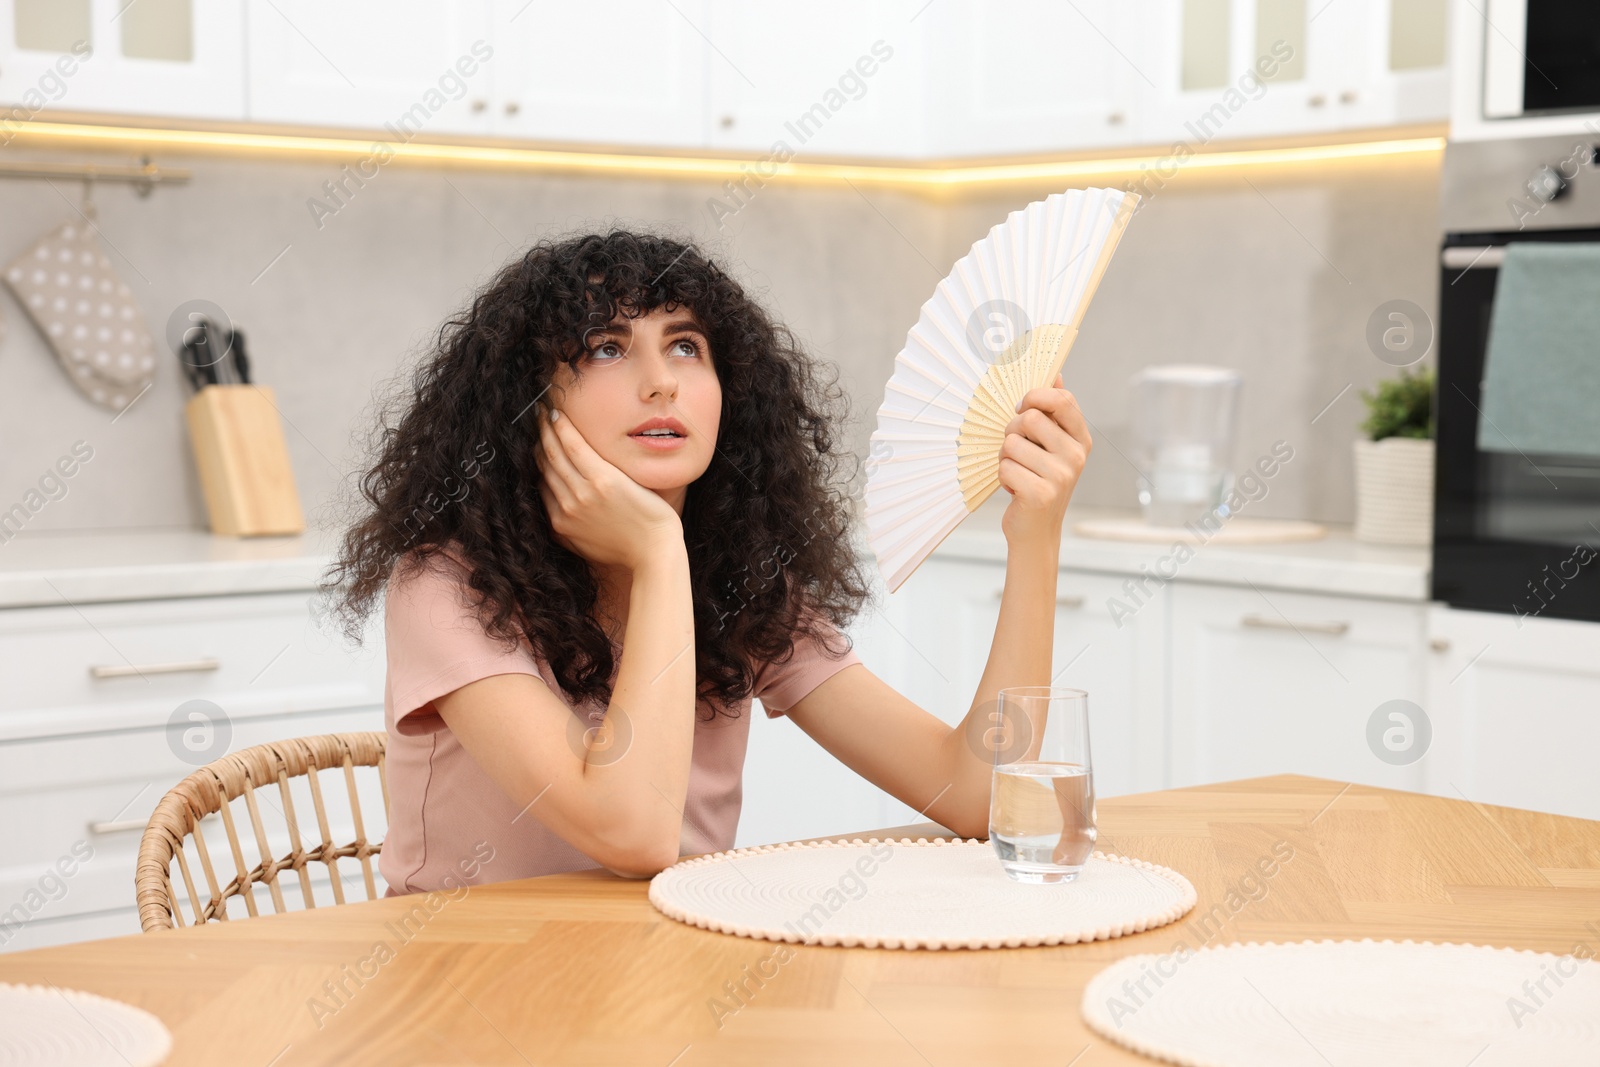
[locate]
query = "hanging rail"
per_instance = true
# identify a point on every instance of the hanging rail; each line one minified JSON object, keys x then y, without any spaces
{"x":143,"y":177}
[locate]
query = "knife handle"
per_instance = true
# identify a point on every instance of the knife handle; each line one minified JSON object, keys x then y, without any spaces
{"x":241,"y":362}
{"x":189,"y":356}
{"x":205,"y":359}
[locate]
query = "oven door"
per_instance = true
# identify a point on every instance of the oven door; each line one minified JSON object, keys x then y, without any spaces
{"x":1512,"y":532}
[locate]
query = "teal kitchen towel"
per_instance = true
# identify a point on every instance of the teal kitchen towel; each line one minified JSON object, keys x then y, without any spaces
{"x":1541,"y":379}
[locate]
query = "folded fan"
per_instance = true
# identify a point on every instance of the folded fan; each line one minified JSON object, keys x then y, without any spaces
{"x":999,"y":325}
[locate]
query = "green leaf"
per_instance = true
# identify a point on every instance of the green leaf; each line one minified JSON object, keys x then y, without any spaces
{"x":1401,"y":407}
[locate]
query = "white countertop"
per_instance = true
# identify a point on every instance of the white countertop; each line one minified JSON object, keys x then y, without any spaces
{"x":145,"y":564}
{"x":140,"y":564}
{"x":1335,"y":564}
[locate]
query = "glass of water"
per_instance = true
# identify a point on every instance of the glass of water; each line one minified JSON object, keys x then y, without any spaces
{"x":1041,"y":807}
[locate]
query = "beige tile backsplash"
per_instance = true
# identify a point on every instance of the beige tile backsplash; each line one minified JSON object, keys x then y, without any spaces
{"x":1273,"y":272}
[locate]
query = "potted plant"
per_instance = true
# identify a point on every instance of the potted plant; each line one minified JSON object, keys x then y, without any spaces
{"x":1394,"y":462}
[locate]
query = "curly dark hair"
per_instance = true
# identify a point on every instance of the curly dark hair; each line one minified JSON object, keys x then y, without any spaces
{"x":766,"y":527}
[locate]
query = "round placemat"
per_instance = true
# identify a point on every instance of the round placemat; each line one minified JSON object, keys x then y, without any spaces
{"x":1321,"y":1002}
{"x":905,"y":893}
{"x":1239,"y":531}
{"x":42,"y":1026}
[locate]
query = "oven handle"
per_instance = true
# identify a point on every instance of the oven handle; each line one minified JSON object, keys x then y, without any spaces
{"x":1468,"y":257}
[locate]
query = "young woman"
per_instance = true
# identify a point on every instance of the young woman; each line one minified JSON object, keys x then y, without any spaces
{"x":608,"y":517}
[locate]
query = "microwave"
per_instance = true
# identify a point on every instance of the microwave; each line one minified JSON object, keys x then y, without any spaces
{"x":1541,"y":57}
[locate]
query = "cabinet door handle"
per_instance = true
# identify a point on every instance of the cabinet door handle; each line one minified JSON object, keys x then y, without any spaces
{"x":125,"y":670}
{"x":117,"y":826}
{"x":1065,"y":600}
{"x":1267,"y":622}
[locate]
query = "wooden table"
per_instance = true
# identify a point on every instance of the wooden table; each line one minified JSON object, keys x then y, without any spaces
{"x":580,"y":969}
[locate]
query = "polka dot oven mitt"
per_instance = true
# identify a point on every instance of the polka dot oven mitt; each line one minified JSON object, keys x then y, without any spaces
{"x":87,"y":314}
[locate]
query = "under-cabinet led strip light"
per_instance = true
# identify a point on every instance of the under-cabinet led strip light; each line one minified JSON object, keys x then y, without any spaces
{"x":86,"y":135}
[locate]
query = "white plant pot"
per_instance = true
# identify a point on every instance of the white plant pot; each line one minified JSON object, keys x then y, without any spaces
{"x":1394,"y":491}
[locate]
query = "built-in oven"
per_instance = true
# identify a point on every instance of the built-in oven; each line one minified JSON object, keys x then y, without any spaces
{"x":1516,"y":529}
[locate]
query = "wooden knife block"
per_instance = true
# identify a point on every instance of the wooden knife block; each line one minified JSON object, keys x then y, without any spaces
{"x":242,"y":460}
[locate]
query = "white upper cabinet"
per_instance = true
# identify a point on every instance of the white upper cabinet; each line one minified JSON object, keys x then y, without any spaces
{"x":1230,"y":69}
{"x":893,"y":79}
{"x":178,"y":58}
{"x":1031,"y":76}
{"x":413,"y":68}
{"x":1404,"y":49}
{"x":1307,"y":54}
{"x":622,"y":73}
{"x":831,"y":77}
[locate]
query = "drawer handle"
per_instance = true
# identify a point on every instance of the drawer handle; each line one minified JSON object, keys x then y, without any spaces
{"x":122,"y":826}
{"x":125,"y":670}
{"x":1266,"y":622}
{"x":1065,"y":600}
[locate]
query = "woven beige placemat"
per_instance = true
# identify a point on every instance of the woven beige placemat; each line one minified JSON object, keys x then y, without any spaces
{"x":1352,"y":1002}
{"x":912,"y":893}
{"x":45,"y":1026}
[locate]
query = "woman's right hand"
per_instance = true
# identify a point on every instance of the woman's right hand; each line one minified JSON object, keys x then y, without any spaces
{"x":594,"y":507}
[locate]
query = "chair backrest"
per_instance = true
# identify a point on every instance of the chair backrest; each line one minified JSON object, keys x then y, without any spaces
{"x":210,"y":790}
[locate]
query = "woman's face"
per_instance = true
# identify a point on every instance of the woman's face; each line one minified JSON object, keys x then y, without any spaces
{"x":636,"y":374}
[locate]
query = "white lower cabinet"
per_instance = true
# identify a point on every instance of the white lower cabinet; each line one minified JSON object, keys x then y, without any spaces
{"x":793,"y":787}
{"x":1210,"y":683}
{"x":86,"y":668}
{"x":1269,"y":682}
{"x":80,"y":804}
{"x":930,"y":641}
{"x":1207,"y":683}
{"x":87,"y":744}
{"x":951,"y":627}
{"x":1515,"y":705}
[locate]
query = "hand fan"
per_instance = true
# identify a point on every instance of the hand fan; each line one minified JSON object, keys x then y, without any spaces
{"x":999,"y":325}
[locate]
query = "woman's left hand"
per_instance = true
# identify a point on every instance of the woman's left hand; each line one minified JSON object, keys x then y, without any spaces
{"x":1043,"y":454}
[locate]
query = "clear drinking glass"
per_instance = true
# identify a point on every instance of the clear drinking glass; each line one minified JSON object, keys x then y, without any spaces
{"x":1041,"y":806}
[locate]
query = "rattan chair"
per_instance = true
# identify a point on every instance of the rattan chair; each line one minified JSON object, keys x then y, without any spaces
{"x":209,"y":790}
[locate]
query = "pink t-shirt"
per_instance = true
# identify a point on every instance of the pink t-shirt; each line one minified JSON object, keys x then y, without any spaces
{"x":443,"y":808}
